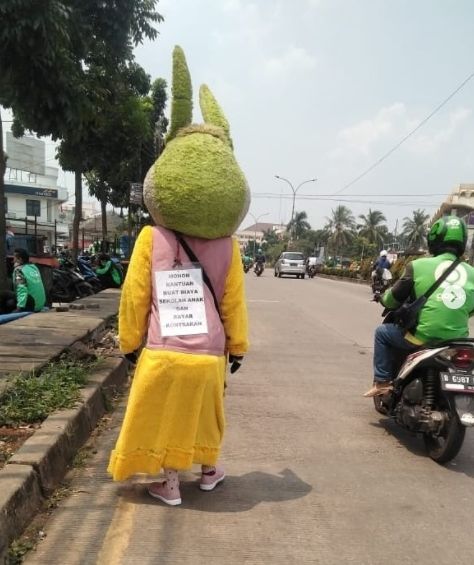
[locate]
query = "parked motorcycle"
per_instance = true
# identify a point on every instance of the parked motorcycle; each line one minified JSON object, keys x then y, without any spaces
{"x":89,"y":275}
{"x":68,"y":283}
{"x":433,"y":394}
{"x":259,"y":267}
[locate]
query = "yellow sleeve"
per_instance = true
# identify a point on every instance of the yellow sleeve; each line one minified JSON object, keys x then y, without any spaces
{"x":135,"y":302}
{"x":234,"y":307}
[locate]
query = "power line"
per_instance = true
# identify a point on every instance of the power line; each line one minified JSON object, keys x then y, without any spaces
{"x":289,"y":197}
{"x":402,"y":141}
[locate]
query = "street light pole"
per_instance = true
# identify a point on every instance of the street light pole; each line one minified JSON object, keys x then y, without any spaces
{"x":255,"y":219}
{"x":294,"y":190}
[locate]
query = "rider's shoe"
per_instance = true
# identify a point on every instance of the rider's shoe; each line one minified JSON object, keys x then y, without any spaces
{"x":379,"y":389}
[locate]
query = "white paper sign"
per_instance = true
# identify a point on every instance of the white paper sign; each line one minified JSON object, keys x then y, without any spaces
{"x":181,"y":305}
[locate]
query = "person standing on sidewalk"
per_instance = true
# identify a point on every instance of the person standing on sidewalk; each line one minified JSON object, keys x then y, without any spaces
{"x":184,"y":293}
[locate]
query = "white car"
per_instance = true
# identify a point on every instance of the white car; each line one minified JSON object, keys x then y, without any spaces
{"x":290,"y":263}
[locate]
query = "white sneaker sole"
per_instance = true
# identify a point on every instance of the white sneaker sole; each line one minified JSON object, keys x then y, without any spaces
{"x":213,"y":485}
{"x":173,"y":502}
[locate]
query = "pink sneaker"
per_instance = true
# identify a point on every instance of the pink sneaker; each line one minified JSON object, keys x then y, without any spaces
{"x":211,"y":479}
{"x":165,"y":492}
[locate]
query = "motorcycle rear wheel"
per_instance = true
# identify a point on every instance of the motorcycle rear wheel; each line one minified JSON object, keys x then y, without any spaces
{"x":444,"y":448}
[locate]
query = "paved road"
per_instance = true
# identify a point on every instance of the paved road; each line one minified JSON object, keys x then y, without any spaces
{"x":314,"y":476}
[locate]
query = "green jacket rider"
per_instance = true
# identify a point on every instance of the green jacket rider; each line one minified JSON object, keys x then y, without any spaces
{"x":445,"y":315}
{"x":109,"y":274}
{"x":27,"y":283}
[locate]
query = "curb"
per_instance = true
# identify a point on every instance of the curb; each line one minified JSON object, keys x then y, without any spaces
{"x":343,"y":279}
{"x":42,"y":461}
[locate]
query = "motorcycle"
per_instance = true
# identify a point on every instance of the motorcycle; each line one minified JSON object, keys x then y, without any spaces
{"x":433,"y":395}
{"x":259,"y":268}
{"x":89,"y":274}
{"x":68,"y":283}
{"x":381,"y":280}
{"x":311,"y":270}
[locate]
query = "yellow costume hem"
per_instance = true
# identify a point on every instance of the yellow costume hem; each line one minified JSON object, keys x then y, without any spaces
{"x":121,"y":467}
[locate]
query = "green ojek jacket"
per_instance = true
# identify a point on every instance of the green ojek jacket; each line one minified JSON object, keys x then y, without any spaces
{"x":27,"y":282}
{"x":446,"y":313}
{"x":114,"y":272}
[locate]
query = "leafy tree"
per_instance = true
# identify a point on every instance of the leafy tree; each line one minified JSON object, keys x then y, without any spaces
{"x":341,"y":227}
{"x":62,"y":89}
{"x":415,"y":229}
{"x":298,"y":225}
{"x":371,"y":227}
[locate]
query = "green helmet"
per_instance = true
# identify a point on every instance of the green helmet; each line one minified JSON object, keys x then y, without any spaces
{"x":449,"y":231}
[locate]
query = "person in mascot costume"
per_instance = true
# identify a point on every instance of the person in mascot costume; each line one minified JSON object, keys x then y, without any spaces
{"x":184,"y":299}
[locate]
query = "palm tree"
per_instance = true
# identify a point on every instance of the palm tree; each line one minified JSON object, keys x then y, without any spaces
{"x":341,"y":226}
{"x":415,"y":229}
{"x":298,"y":225}
{"x":371,"y":228}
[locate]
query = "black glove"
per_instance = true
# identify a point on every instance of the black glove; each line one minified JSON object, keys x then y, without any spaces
{"x":131,"y":357}
{"x":235,"y":363}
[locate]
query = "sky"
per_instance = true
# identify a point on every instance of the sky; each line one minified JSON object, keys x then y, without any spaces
{"x":324,"y":88}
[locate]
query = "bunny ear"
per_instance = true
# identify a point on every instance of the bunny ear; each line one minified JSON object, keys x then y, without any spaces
{"x":212,"y":112}
{"x":182,"y":94}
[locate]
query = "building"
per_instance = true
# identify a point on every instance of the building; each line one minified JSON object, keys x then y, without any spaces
{"x":255,"y":232}
{"x":32,"y":193}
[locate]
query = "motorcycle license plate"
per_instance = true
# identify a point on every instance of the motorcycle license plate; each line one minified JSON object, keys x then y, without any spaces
{"x":457,"y":382}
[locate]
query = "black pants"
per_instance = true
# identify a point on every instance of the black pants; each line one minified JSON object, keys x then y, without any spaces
{"x":8,"y":302}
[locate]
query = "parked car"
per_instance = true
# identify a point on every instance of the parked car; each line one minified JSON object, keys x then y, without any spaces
{"x":290,"y":263}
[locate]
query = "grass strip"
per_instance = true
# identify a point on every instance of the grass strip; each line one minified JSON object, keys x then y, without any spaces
{"x":31,"y":399}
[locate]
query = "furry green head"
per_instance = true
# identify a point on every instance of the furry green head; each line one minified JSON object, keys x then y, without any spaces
{"x":196,"y":186}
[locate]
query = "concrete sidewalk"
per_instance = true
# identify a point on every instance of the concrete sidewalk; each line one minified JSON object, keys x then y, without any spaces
{"x":36,"y":469}
{"x":29,"y":343}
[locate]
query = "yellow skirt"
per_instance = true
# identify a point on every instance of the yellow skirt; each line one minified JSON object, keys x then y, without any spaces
{"x":174,"y":416}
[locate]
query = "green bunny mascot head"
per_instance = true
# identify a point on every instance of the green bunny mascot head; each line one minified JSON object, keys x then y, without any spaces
{"x":196,"y":186}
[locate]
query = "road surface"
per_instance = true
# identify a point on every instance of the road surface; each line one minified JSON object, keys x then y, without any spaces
{"x":314,"y":475}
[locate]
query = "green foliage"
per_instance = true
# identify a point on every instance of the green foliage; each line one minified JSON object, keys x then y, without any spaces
{"x":182,"y":94}
{"x":415,"y":229}
{"x":343,"y":273}
{"x":299,"y":225}
{"x":371,"y":228}
{"x":31,"y":399}
{"x":341,"y":227}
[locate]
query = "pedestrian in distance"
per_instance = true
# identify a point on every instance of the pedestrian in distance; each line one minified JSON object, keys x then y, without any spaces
{"x":184,"y":295}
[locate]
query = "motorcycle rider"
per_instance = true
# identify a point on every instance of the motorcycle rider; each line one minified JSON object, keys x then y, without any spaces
{"x":108,"y":272}
{"x":260,"y":259}
{"x":446,"y":313}
{"x":380,"y":265}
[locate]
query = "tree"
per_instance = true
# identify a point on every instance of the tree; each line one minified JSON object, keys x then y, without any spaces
{"x":341,"y":226}
{"x":61,"y":90}
{"x":43,"y":90}
{"x":298,"y":225}
{"x":371,"y":228}
{"x":415,"y":229}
